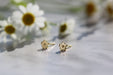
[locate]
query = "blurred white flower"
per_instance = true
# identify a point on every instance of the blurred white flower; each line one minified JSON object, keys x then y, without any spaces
{"x":29,"y":18}
{"x":108,"y":9}
{"x":92,"y":11}
{"x":91,"y":8}
{"x":66,"y":27}
{"x":9,"y":31}
{"x":8,"y":28}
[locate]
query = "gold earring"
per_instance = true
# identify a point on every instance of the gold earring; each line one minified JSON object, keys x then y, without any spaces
{"x":45,"y":44}
{"x":63,"y":46}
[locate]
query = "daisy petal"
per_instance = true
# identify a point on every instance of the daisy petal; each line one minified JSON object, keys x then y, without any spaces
{"x":35,"y":7}
{"x":40,"y":24}
{"x":37,"y":13}
{"x":14,"y":36}
{"x":40,"y":19}
{"x":4,"y":38}
{"x":22,"y":8}
{"x":9,"y":20}
{"x":37,"y":28}
{"x":2,"y":35}
{"x":3,"y":23}
{"x":41,"y":13}
{"x":29,"y":7}
{"x":17,"y":14}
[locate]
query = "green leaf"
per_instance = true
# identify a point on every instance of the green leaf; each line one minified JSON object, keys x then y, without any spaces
{"x":53,"y":24}
{"x":76,"y":9}
{"x":23,"y":2}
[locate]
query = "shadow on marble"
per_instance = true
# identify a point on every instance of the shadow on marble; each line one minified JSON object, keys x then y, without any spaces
{"x":41,"y":50}
{"x":2,"y":50}
{"x":54,"y":38}
{"x":88,"y":25}
{"x":60,"y":52}
{"x":11,"y":48}
{"x":59,"y":37}
{"x":85,"y":34}
{"x":63,"y":37}
{"x":108,"y":21}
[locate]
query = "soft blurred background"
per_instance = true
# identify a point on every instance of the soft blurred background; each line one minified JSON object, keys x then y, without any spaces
{"x":50,"y":6}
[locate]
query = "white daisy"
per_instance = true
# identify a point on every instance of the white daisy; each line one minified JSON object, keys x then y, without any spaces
{"x":108,"y":9}
{"x":91,"y":7}
{"x":9,"y":31}
{"x":30,"y":18}
{"x":66,"y":27}
{"x":92,"y":11}
{"x":8,"y":28}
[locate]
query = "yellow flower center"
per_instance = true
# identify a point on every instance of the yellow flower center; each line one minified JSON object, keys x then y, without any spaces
{"x":109,"y":10}
{"x":28,"y":19}
{"x":90,"y":8}
{"x":9,"y":29}
{"x":63,"y":28}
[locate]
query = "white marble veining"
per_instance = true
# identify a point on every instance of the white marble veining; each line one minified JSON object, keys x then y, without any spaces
{"x":90,"y":55}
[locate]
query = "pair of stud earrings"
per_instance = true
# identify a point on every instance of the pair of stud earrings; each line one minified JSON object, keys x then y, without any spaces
{"x":63,"y":46}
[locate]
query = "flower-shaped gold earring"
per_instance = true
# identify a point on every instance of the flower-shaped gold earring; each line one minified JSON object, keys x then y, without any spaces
{"x":63,"y":46}
{"x":45,"y":44}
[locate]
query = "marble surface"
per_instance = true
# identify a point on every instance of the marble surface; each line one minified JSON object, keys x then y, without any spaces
{"x":91,"y":53}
